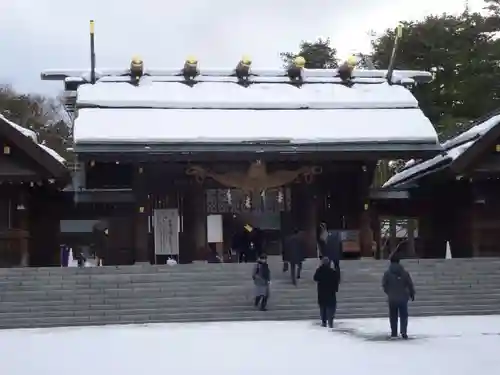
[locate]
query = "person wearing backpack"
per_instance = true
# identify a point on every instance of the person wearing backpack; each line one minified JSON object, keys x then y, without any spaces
{"x":398,"y":286}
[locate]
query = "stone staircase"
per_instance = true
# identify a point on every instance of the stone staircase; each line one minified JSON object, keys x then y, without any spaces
{"x":48,"y":297}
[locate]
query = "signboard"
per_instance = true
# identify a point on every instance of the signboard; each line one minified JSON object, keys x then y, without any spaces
{"x":214,"y":228}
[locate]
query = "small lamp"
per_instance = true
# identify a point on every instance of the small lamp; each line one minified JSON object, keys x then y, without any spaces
{"x":294,"y":71}
{"x":136,"y":67}
{"x":190,"y":70}
{"x":345,"y":70}
{"x":243,"y":70}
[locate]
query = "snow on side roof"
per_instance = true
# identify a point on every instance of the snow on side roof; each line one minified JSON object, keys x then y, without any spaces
{"x":28,"y":133}
{"x":454,"y":148}
{"x":229,"y":95}
{"x":53,"y":153}
{"x":94,"y":125}
{"x":32,"y":135}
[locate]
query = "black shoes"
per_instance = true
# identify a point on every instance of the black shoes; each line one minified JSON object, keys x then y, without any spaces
{"x":263,"y":305}
{"x":394,"y":336}
{"x":262,"y":301}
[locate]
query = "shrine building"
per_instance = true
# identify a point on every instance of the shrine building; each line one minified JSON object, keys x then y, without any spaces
{"x":172,"y":160}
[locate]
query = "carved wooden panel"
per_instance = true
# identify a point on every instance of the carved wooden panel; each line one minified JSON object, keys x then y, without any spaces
{"x":236,"y":201}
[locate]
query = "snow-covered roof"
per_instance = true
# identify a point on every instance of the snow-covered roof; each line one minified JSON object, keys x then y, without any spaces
{"x":230,"y":95}
{"x":217,"y":109}
{"x":452,"y":149}
{"x":32,"y":135}
{"x":95,"y":125}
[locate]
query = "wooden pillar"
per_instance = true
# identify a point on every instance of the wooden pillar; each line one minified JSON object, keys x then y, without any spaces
{"x":304,"y":215}
{"x":310,"y":225}
{"x":393,"y":235}
{"x":433,"y":230}
{"x":44,"y":226}
{"x":365,"y":233}
{"x":461,"y":230}
{"x":194,"y":236}
{"x":23,"y":224}
{"x":375,"y":225}
{"x":411,"y":237}
{"x":141,"y":216}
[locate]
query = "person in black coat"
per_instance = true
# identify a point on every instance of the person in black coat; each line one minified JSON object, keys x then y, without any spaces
{"x":327,"y":280}
{"x":330,"y":245}
{"x":398,"y":286}
{"x":241,"y":244}
{"x":295,"y":254}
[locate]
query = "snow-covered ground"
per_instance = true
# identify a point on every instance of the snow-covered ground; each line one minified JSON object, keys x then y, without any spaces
{"x":441,"y":345}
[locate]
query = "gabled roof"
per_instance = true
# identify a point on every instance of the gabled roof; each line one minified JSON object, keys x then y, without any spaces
{"x":457,"y":153}
{"x":27,"y":140}
{"x":369,"y":116}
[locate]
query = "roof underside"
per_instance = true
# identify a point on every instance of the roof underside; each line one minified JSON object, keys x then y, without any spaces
{"x":453,"y":151}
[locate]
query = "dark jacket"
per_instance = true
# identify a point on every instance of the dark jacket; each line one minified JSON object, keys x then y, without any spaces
{"x":332,"y":247}
{"x":257,"y":238}
{"x":294,"y":249}
{"x":327,"y":280}
{"x":397,"y":284}
{"x":261,"y":276}
{"x":241,"y":241}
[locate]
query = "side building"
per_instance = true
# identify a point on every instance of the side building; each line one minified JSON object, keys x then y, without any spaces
{"x":454,"y":195}
{"x":31,"y":178}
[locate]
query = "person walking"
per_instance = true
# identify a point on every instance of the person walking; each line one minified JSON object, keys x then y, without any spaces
{"x":330,"y":245}
{"x":398,"y":286}
{"x":261,"y":276}
{"x":327,"y":280}
{"x":294,"y":254}
{"x":241,"y":244}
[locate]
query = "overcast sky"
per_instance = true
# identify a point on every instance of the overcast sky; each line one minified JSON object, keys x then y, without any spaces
{"x":43,"y":34}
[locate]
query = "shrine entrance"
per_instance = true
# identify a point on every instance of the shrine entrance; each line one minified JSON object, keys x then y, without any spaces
{"x":266,"y":211}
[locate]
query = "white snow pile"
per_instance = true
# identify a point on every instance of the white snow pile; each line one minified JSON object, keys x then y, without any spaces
{"x":437,"y":346}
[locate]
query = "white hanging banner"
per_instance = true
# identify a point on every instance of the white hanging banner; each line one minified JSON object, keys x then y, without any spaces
{"x":214,"y":228}
{"x":166,"y":231}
